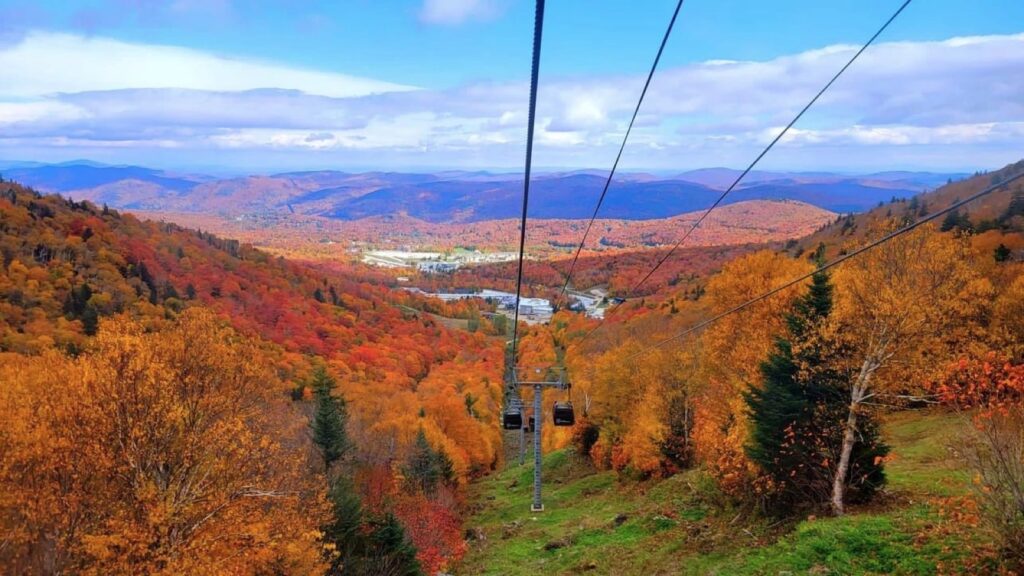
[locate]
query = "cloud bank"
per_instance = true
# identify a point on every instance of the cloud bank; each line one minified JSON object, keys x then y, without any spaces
{"x":920,"y":104}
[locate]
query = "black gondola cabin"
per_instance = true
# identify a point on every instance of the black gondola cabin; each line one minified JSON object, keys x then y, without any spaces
{"x":512,"y":419}
{"x":564,"y":414}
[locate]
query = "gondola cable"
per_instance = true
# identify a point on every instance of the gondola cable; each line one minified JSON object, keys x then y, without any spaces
{"x":625,"y":138}
{"x":765,"y":151}
{"x":538,"y":29}
{"x":771,"y":144}
{"x":831,"y":264}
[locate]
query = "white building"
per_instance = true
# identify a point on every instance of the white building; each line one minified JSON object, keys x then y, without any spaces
{"x":437,"y":267}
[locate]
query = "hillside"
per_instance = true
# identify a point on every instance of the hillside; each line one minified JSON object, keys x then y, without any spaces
{"x":1003,"y":210}
{"x":80,"y":284}
{"x":728,"y":448}
{"x":68,"y":265}
{"x":458,"y":197}
{"x":597,"y":524}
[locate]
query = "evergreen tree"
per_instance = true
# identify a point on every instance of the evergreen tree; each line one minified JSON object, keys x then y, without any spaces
{"x":421,"y":469}
{"x":391,"y":553}
{"x":90,"y":320}
{"x":798,"y":411}
{"x":77,"y":300}
{"x":329,"y":419}
{"x":1016,"y":207}
{"x":445,"y":467}
{"x":382,"y":550}
{"x":956,"y":220}
{"x":345,"y":532}
{"x":170,"y":291}
{"x":1002,"y":253}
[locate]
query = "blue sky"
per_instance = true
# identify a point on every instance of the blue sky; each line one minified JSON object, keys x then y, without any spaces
{"x":273,"y":85}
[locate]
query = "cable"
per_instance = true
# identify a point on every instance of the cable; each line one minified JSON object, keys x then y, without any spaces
{"x":538,"y":29}
{"x":615,"y":165}
{"x":772,"y":144}
{"x":830,"y":264}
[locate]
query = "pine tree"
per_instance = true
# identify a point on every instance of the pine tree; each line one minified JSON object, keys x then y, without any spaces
{"x":329,"y":419}
{"x":1002,"y":253}
{"x":345,"y":532}
{"x":445,"y":467}
{"x":1014,"y":211}
{"x":421,"y":469}
{"x":795,"y":434}
{"x":391,"y":551}
{"x":383,"y":550}
{"x":956,"y":220}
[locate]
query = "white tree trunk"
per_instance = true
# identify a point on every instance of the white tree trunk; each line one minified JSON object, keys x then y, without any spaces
{"x":857,"y":394}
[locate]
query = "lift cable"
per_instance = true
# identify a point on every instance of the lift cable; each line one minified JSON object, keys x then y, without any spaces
{"x":625,"y":138}
{"x":771,"y":145}
{"x":538,"y":29}
{"x":758,"y":158}
{"x":837,"y":261}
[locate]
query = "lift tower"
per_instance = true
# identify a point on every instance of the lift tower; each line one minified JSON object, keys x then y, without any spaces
{"x":539,"y":379}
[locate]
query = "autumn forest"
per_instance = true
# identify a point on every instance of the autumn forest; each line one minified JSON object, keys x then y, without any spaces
{"x":176,"y":402}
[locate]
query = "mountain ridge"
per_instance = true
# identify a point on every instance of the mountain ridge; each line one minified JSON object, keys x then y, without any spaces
{"x":460,"y":196}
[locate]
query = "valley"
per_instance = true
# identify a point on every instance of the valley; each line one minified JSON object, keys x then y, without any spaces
{"x":324,"y":238}
{"x":657,"y":473}
{"x":500,"y":288}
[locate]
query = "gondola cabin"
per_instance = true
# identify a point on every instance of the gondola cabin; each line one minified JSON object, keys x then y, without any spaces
{"x":564,"y":414}
{"x":512,"y":419}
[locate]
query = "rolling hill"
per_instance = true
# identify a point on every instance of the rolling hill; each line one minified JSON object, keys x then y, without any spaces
{"x":1002,"y":210}
{"x":448,"y":197}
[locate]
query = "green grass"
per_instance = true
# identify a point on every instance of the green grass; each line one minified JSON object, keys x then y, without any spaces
{"x":921,"y":461}
{"x":681,"y":525}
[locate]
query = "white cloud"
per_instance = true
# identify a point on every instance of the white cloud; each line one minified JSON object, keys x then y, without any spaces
{"x":48,"y":63}
{"x":454,"y":12}
{"x":903,"y":135}
{"x":14,"y":113}
{"x":962,"y":94}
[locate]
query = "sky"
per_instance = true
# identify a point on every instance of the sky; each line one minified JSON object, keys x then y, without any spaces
{"x":273,"y":85}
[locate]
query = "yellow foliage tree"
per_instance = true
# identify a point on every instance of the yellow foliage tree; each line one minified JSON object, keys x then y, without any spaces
{"x":174,"y":452}
{"x":732,"y":350}
{"x":900,"y":310}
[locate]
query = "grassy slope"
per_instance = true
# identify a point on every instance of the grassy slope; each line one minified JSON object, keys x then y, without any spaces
{"x":681,"y":526}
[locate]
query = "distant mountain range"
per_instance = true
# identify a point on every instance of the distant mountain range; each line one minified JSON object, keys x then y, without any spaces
{"x":449,"y":197}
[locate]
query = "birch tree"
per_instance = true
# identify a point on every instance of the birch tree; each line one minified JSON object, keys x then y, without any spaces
{"x":900,"y":309}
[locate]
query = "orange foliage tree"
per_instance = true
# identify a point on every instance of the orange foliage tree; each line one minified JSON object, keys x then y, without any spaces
{"x":989,"y":391}
{"x":732,"y":350}
{"x":174,"y":452}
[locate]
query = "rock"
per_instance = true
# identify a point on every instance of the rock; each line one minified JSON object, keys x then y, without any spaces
{"x":492,"y":497}
{"x":620,"y":520}
{"x":588,"y":565}
{"x":475,"y":535}
{"x":514,"y":484}
{"x":556,"y":544}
